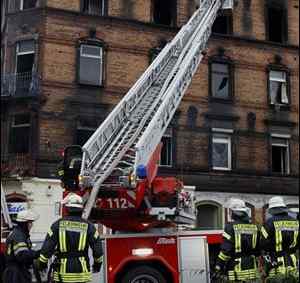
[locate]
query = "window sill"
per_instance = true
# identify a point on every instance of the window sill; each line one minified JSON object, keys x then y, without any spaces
{"x":220,"y":169}
{"x":90,"y":86}
{"x":273,"y":174}
{"x":221,"y":100}
{"x":284,"y":107}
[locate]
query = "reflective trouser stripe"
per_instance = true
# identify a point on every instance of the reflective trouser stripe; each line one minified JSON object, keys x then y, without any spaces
{"x":99,"y":259}
{"x":293,"y":245}
{"x":62,"y":240}
{"x":63,"y":266}
{"x":83,"y":264}
{"x":278,"y":240}
{"x":254,"y":241}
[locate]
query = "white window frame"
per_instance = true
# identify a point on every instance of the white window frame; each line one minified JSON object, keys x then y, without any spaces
{"x":18,"y":53}
{"x":223,"y":140}
{"x":19,"y":125}
{"x":281,"y":81}
{"x":168,"y":134}
{"x":285,"y":145}
{"x":22,"y":5}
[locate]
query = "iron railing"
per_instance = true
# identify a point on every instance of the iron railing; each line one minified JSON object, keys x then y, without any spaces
{"x":20,"y":84}
{"x":17,"y":164}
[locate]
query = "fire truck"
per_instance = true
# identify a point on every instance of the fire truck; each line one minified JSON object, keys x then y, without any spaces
{"x":116,"y":171}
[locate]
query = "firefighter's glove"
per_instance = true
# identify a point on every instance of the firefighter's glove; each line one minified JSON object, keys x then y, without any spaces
{"x":41,"y":266}
{"x":97,"y":267}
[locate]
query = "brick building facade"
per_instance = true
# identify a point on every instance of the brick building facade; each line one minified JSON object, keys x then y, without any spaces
{"x":65,"y":64}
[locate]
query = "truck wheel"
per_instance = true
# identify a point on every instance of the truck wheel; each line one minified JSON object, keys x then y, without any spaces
{"x":143,"y":274}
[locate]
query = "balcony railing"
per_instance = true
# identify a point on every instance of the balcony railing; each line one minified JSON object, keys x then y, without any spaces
{"x":17,"y":164}
{"x":20,"y":84}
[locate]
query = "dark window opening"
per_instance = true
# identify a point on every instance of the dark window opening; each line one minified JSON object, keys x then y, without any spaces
{"x":223,"y":24}
{"x":220,"y":81}
{"x":280,"y":156}
{"x":84,"y":131}
{"x":277,"y":24}
{"x":164,"y":12}
{"x":28,"y":4}
{"x":208,"y":217}
{"x":20,"y":134}
{"x":24,"y":65}
{"x":94,"y":7}
{"x":166,"y":151}
{"x":90,"y":65}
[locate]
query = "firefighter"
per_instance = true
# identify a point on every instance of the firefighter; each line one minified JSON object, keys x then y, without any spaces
{"x":70,"y":238}
{"x":280,"y":241}
{"x":238,"y":255}
{"x":19,"y":256}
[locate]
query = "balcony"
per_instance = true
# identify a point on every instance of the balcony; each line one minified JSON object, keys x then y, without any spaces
{"x":17,"y":164}
{"x":20,"y":85}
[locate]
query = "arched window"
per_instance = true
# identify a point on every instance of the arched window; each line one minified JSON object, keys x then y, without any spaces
{"x":209,"y":215}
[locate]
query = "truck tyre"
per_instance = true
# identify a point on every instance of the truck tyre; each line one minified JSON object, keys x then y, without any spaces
{"x":143,"y":274}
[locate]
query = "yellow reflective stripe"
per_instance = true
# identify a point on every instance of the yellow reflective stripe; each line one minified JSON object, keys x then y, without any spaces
{"x":224,"y":257}
{"x":80,"y":242}
{"x":99,"y":259}
{"x":294,"y":260}
{"x":296,"y":233}
{"x":264,"y":233}
{"x":278,"y":236}
{"x":96,"y":235}
{"x":20,"y":245}
{"x":254,"y":241}
{"x":63,"y":266}
{"x":42,"y":258}
{"x":237,"y":242}
{"x":226,"y":236}
{"x":83,"y":265}
{"x":60,"y":172}
{"x":62,"y":240}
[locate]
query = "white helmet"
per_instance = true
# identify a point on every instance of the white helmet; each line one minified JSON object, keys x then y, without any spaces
{"x":238,"y":205}
{"x":73,"y":200}
{"x":276,"y":202}
{"x":26,"y":216}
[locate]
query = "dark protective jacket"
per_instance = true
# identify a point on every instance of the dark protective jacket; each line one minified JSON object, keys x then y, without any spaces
{"x":70,"y":239}
{"x":280,"y":239}
{"x":239,"y":251}
{"x":18,"y":256}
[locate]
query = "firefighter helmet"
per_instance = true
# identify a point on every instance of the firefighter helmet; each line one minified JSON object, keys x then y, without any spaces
{"x":238,"y":205}
{"x":276,"y":202}
{"x":26,"y":216}
{"x":73,"y":201}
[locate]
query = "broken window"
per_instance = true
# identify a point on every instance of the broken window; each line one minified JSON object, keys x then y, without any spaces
{"x":166,"y":151}
{"x":280,"y":156}
{"x":276,"y":22}
{"x":209,"y":216}
{"x":20,"y":134}
{"x":164,"y":12}
{"x":220,"y":80}
{"x":221,"y":151}
{"x":278,"y":87}
{"x":24,"y":65}
{"x":84,"y":131}
{"x":90,"y":65}
{"x":94,"y":7}
{"x":27,"y":4}
{"x":223,"y":23}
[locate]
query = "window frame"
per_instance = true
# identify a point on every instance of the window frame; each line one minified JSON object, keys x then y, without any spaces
{"x":104,"y":11}
{"x":220,"y":213}
{"x":226,"y":139}
{"x":229,"y":63}
{"x":226,"y":13}
{"x":279,"y":68}
{"x":92,"y":43}
{"x":174,"y":16}
{"x":288,"y":153}
{"x":22,"y":5}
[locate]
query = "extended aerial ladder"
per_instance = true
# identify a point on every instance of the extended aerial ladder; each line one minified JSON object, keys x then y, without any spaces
{"x":6,"y":223}
{"x":118,"y":164}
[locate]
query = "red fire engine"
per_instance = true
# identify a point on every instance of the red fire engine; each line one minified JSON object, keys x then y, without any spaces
{"x":116,"y":171}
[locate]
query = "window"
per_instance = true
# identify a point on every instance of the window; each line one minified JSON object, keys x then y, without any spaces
{"x":223,"y":23}
{"x":209,"y":216}
{"x":24,"y":65}
{"x":164,"y":12}
{"x":220,"y":81}
{"x":84,"y":131}
{"x":94,"y":7}
{"x":276,"y":22}
{"x":278,"y":87}
{"x":221,"y":151}
{"x":166,"y":151}
{"x":280,"y":155}
{"x":90,"y":65}
{"x":27,"y":4}
{"x":20,"y":134}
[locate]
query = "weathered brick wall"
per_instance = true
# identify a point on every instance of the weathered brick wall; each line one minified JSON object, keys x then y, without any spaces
{"x":71,"y":5}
